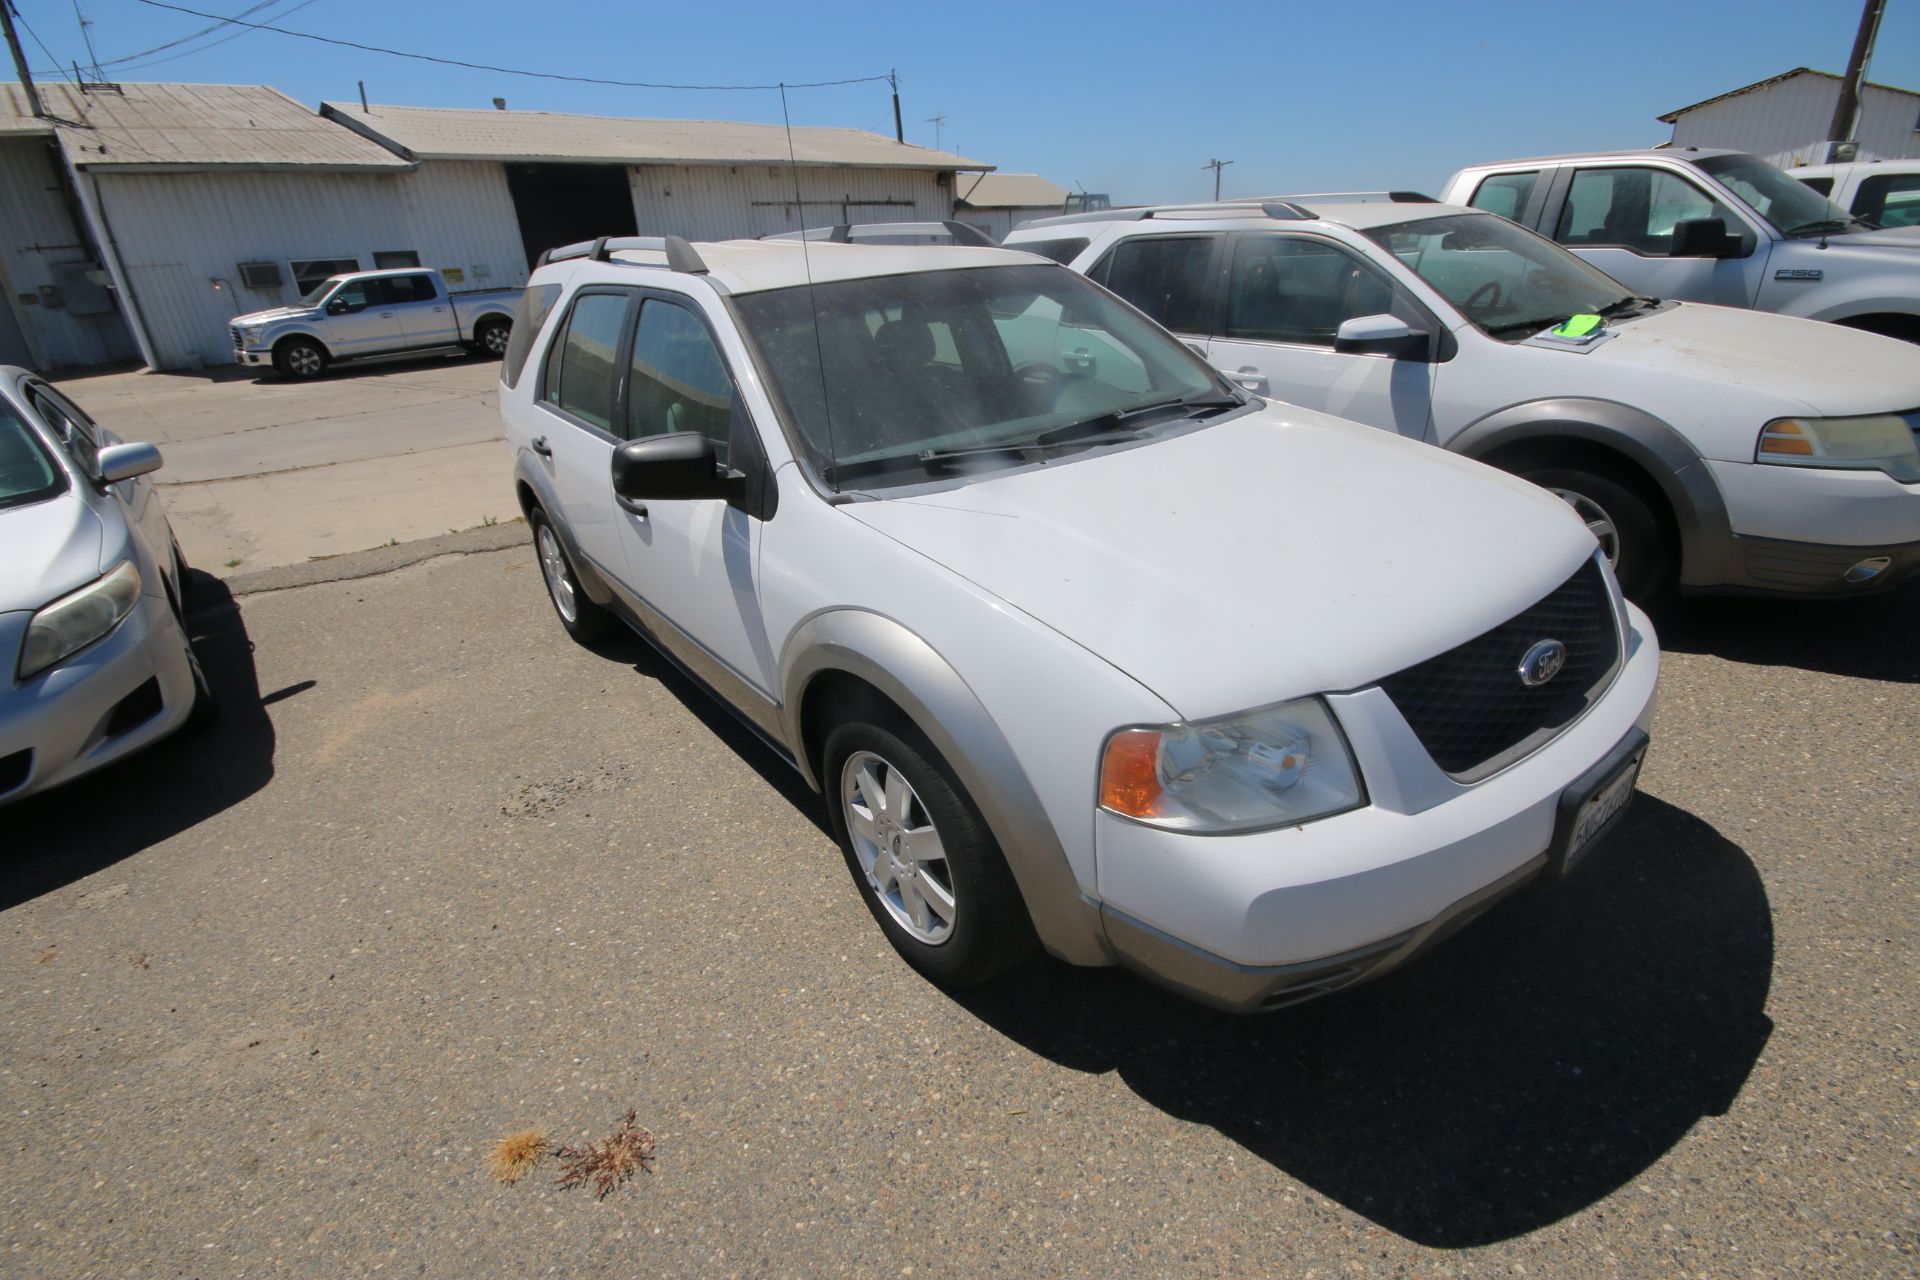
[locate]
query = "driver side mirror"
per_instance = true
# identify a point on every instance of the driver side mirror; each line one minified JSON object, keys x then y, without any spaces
{"x":1705,"y":238}
{"x":119,"y":462}
{"x":1381,"y":335}
{"x":678,"y":466}
{"x":337,"y":306}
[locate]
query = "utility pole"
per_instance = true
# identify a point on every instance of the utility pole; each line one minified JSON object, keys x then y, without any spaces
{"x":936,"y":122}
{"x":1848,"y":107}
{"x":1216,"y":166}
{"x":20,"y":59}
{"x":899,"y":134}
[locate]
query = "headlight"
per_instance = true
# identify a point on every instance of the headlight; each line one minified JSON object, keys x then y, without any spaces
{"x":75,"y":621}
{"x":1877,"y":442}
{"x":251,"y":336}
{"x":1268,"y":768}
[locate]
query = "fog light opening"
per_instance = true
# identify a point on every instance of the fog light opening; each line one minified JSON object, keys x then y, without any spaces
{"x":1867,"y":570}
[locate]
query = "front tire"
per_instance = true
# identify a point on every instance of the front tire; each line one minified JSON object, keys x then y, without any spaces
{"x":1625,"y":525}
{"x":921,"y":856}
{"x":301,"y":359}
{"x":584,"y":620}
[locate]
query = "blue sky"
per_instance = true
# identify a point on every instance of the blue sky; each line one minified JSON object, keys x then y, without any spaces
{"x":1126,"y":98}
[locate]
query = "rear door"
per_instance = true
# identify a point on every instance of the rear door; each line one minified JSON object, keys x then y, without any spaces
{"x":426,"y":318}
{"x":361,"y":321}
{"x":1286,"y":297}
{"x":1621,"y":219}
{"x":579,"y":392}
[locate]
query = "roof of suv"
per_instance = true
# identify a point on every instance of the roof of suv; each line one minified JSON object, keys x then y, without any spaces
{"x":1357,"y":215}
{"x":1648,"y":153}
{"x":749,"y":266}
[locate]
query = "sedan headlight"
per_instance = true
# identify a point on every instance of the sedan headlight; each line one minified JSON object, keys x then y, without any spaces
{"x":1876,"y":442}
{"x":1268,"y":768}
{"x":75,"y":621}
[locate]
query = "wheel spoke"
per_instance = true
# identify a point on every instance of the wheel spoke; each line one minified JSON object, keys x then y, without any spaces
{"x":922,"y":844}
{"x":897,"y":794}
{"x":868,"y":783}
{"x":938,"y":897}
{"x":916,"y":906}
{"x":861,"y":820}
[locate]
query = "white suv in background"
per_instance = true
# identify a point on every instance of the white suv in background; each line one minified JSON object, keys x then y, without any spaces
{"x":1078,"y":641}
{"x":1721,"y":450}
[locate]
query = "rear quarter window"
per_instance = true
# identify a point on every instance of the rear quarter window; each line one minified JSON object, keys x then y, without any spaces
{"x":536,"y":304}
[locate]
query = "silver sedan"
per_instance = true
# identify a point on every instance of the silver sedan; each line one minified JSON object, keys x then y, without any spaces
{"x":94,"y":657}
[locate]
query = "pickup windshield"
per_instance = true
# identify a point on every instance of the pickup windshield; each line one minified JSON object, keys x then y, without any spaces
{"x":1796,"y":209}
{"x":313,"y":296}
{"x":895,"y":379}
{"x":1504,"y":278}
{"x":27,"y":474}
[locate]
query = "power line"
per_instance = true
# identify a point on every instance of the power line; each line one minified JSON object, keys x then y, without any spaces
{"x":57,"y":68}
{"x":509,"y":71}
{"x":161,"y":48}
{"x":188,"y":53}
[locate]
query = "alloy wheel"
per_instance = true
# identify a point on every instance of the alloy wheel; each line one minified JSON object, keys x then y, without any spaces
{"x":553,"y":567}
{"x":1598,"y":522}
{"x":899,"y":849}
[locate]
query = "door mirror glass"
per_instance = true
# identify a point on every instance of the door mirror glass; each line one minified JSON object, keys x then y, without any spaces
{"x":125,"y":461}
{"x":681,"y":465}
{"x":336,"y":306}
{"x":1703,"y":238}
{"x":1378,"y":335}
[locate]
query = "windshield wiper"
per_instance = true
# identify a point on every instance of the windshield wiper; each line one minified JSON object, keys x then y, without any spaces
{"x":1528,"y":326}
{"x":1822,"y":227}
{"x":1121,"y":423}
{"x":1627,"y":306}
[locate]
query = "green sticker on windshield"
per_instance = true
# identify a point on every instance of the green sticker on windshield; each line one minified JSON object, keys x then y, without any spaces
{"x":1578,"y":326}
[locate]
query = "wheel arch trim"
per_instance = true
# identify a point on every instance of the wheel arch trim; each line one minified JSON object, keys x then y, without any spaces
{"x":535,"y":481}
{"x":910,"y":673}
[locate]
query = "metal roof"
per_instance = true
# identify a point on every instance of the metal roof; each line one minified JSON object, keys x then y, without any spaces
{"x":446,"y":133}
{"x":1012,"y":191}
{"x":190,"y":126}
{"x":1677,"y":112}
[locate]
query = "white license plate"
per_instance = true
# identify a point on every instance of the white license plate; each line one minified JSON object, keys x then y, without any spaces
{"x":1600,"y":810}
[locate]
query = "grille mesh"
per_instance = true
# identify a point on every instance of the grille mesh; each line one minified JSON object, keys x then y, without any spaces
{"x":1468,"y":707}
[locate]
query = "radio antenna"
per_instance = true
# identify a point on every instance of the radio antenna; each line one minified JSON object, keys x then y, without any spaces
{"x":806,"y":260}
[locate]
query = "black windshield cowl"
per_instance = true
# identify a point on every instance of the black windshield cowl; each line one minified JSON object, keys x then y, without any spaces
{"x":1127,"y":424}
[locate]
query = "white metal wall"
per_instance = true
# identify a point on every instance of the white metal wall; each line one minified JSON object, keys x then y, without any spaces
{"x":998,"y":222}
{"x":37,"y":231}
{"x":1786,"y":122}
{"x":181,"y":237}
{"x":724,"y":202}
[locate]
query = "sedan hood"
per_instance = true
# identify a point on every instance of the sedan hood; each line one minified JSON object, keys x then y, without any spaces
{"x":52,"y":548}
{"x":1279,"y":554}
{"x":1810,"y":365}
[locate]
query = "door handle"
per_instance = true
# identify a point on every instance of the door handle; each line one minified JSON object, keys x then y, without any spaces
{"x":1250,"y":379}
{"x":386,"y":315}
{"x":438,"y":310}
{"x":631,"y":507}
{"x":540,"y":446}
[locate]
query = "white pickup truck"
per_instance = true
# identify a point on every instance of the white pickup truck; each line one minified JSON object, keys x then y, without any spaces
{"x":1711,"y":226}
{"x":374,"y":313}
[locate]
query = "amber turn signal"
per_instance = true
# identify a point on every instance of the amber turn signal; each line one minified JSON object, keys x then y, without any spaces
{"x":1130,"y":773}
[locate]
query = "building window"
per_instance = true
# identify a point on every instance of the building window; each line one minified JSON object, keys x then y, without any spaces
{"x":308,"y":272}
{"x":387,"y":258}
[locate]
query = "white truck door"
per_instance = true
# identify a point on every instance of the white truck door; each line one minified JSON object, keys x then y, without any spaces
{"x":1621,"y":219}
{"x":360,"y":321}
{"x":1286,"y":297}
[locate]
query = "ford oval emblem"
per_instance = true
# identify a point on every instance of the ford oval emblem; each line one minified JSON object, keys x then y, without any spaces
{"x":1542,"y":663}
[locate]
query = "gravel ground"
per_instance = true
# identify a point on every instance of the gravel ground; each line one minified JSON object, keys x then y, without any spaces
{"x":439,"y":875}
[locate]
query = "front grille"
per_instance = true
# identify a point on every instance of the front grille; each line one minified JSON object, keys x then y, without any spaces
{"x":237,"y":344}
{"x":1470,"y":709}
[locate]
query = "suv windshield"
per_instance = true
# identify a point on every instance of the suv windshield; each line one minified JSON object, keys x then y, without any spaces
{"x":941,"y":372}
{"x":1789,"y":204}
{"x":1507,"y":280}
{"x":27,"y":474}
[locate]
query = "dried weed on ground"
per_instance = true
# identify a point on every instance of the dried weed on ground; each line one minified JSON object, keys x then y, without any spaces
{"x":514,"y":1156}
{"x":610,"y":1161}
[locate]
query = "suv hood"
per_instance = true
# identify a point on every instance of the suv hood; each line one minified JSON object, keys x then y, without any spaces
{"x":52,"y":548}
{"x":1279,"y":554}
{"x":1894,"y":238}
{"x":1810,"y":365}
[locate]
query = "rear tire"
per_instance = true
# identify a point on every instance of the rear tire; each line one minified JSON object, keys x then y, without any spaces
{"x":956,"y":916}
{"x":301,"y":359}
{"x":584,"y":620}
{"x":490,"y":339}
{"x":1627,"y":528}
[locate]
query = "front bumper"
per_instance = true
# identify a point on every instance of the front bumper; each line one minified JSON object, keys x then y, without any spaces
{"x":1256,"y":921}
{"x":242,"y":355}
{"x":1810,"y":532}
{"x":127,"y":691}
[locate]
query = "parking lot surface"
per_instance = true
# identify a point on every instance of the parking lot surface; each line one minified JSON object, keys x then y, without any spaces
{"x":439,"y":875}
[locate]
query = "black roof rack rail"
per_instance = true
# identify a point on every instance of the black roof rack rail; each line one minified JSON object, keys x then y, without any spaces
{"x":1365,"y":197}
{"x":681,"y":256}
{"x":1283,"y":209}
{"x":847,"y":233}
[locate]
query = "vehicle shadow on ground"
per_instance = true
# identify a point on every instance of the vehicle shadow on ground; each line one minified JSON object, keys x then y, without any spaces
{"x":628,"y":649}
{"x":1869,"y":638}
{"x":1518,"y":1074}
{"x":71,"y":832}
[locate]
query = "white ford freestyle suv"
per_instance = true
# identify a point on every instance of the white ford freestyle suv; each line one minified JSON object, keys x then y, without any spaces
{"x":1079,"y":642}
{"x":1715,"y":449}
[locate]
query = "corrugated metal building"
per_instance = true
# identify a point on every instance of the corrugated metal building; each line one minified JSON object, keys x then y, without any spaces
{"x":572,"y":177}
{"x":998,"y":202}
{"x":1785,"y":119}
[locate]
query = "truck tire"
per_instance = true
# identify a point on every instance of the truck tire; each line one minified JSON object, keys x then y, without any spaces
{"x":302,"y":359}
{"x":490,"y":338}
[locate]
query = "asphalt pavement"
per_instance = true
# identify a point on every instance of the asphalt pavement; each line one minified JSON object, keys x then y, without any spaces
{"x":439,"y":875}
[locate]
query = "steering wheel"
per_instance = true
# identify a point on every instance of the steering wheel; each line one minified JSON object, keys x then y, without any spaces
{"x":1038,"y":372}
{"x":1491,"y":288}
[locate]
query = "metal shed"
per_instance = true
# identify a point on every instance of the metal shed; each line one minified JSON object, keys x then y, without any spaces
{"x":1785,"y":118}
{"x":998,"y":202}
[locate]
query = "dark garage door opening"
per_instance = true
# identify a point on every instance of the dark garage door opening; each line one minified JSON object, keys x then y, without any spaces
{"x":560,"y":203}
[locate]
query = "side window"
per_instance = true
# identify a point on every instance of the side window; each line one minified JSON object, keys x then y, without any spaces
{"x":1295,"y":290}
{"x":73,"y":428}
{"x":580,"y":368}
{"x":1824,"y":186}
{"x":404,"y":289}
{"x":536,"y":300}
{"x":678,"y":381}
{"x":1170,"y":278}
{"x":1506,"y":194}
{"x":1060,"y":251}
{"x":351,"y":297}
{"x":1890,"y":199}
{"x":1632,"y":209}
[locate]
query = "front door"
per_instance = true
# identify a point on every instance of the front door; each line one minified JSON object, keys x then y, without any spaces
{"x":694,"y":564}
{"x":1287,"y":296}
{"x":360,"y":322}
{"x":579,"y":389}
{"x":1621,"y":219}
